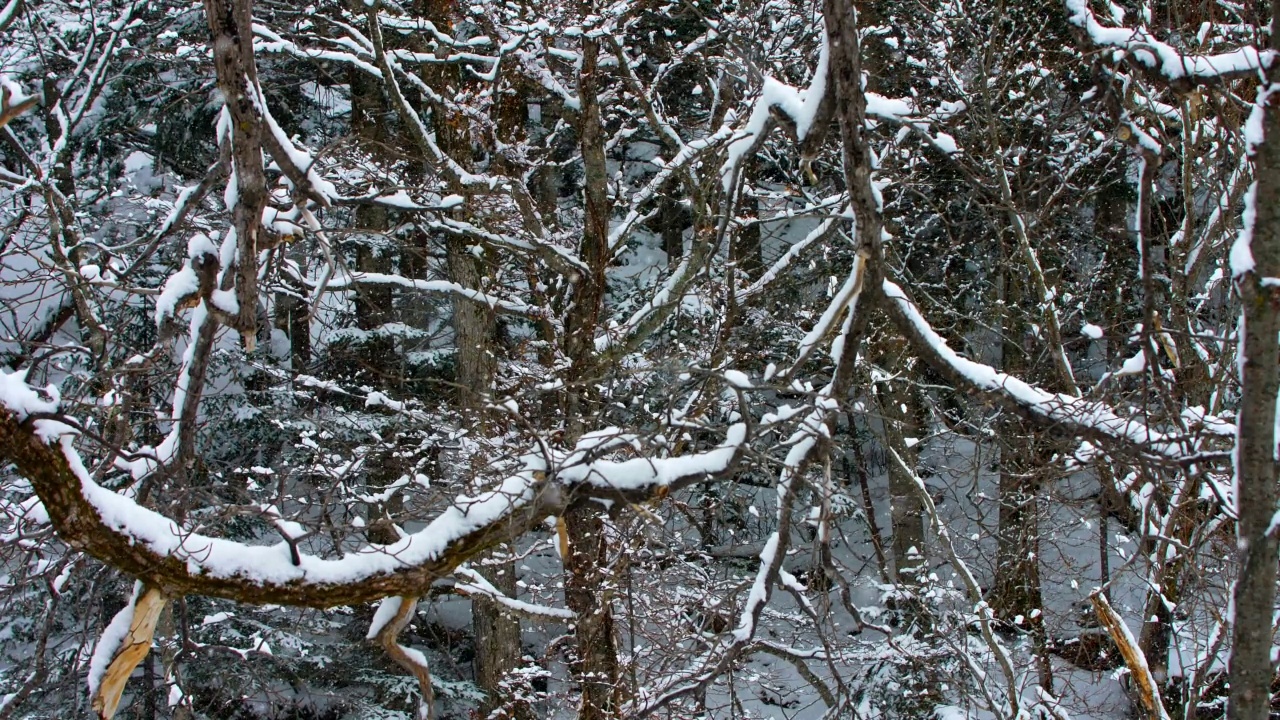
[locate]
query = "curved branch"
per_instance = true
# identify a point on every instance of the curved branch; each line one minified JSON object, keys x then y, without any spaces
{"x":391,"y":619}
{"x":1092,"y":420}
{"x":1162,"y":60}
{"x":152,"y":547}
{"x":124,"y":644}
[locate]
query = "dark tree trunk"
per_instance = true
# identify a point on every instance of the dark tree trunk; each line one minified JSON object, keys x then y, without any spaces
{"x":746,"y":250}
{"x":587,"y":587}
{"x":906,"y":511}
{"x":496,"y":632}
{"x":292,"y":318}
{"x":1016,"y":595}
{"x":374,"y":307}
{"x":596,"y":669}
{"x":497,"y":635}
{"x":1252,"y":638}
{"x":673,"y":220}
{"x":1016,"y":590}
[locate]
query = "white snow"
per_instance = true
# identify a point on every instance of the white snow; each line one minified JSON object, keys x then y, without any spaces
{"x":387,"y":611}
{"x":22,"y":399}
{"x":759,"y":591}
{"x":477,"y":585}
{"x":1133,"y":365}
{"x":273,"y":564}
{"x":1054,"y":406}
{"x":639,"y":473}
{"x":793,"y":252}
{"x":182,"y":284}
{"x":800,"y":105}
{"x":302,"y":160}
{"x":1241,"y":256}
{"x":112,"y":636}
{"x":442,"y":286}
{"x":1161,"y":56}
{"x":11,"y":91}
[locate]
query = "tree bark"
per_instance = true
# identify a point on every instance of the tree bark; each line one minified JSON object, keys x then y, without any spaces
{"x":745,"y":252}
{"x":293,"y":319}
{"x":497,"y":636}
{"x":597,"y":665}
{"x":231,"y":25}
{"x":1252,"y":637}
{"x":496,"y":632}
{"x":1016,"y":595}
{"x":587,"y":594}
{"x":906,"y":511}
{"x":673,"y":220}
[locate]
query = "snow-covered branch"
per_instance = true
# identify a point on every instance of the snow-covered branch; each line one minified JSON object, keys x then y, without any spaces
{"x":514,"y":307}
{"x":150,"y":546}
{"x":475,"y":584}
{"x":1162,"y":59}
{"x":1091,"y":419}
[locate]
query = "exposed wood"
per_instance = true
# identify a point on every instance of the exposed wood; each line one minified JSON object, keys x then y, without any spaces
{"x":389,"y":638}
{"x":12,"y":106}
{"x":1147,"y":687}
{"x":132,"y":650}
{"x":79,"y":524}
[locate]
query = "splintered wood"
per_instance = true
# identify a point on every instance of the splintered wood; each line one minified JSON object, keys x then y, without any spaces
{"x":133,"y":648}
{"x":1148,"y":689}
{"x":415,"y":662}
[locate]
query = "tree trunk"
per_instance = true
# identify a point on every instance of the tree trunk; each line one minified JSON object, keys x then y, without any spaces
{"x":587,"y":593}
{"x":1016,"y":595}
{"x":373,"y":308}
{"x":496,"y":632}
{"x":231,"y":25}
{"x":746,"y":250}
{"x":673,"y":220}
{"x":293,"y":319}
{"x":1016,"y":590}
{"x":497,"y":636}
{"x":906,"y":511}
{"x":596,"y":669}
{"x":1251,"y":673}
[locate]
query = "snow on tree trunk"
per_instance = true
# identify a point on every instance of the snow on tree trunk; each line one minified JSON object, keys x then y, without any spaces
{"x":1256,"y":266}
